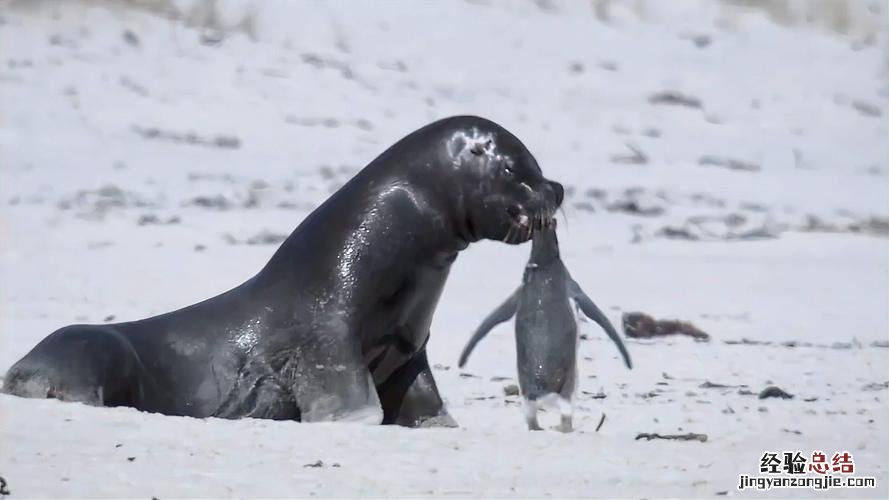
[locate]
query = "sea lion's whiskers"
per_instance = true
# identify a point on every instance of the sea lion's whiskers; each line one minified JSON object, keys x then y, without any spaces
{"x":508,"y":233}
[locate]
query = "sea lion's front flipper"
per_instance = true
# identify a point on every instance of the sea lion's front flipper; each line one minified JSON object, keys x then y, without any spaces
{"x":505,"y":311}
{"x":591,"y":311}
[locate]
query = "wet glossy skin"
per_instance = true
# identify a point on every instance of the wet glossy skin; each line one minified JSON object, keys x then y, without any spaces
{"x":335,"y":325}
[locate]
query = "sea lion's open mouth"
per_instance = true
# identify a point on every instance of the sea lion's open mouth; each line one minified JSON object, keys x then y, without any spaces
{"x":523,"y":225}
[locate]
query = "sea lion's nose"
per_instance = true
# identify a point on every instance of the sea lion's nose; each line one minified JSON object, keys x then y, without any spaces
{"x":558,"y":191}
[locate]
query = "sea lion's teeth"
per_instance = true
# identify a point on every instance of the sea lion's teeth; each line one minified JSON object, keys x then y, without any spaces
{"x":523,"y":220}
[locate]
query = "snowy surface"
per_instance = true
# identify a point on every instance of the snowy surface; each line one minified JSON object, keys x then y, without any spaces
{"x":147,"y":164}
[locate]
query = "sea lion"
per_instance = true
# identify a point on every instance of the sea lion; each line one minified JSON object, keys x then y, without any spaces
{"x":546,"y":329}
{"x":334,"y":327}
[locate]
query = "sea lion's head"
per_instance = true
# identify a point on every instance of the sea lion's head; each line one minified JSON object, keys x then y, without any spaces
{"x":502,"y":191}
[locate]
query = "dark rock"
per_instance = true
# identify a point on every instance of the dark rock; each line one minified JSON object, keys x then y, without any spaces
{"x":774,"y":392}
{"x":675,"y":98}
{"x":677,"y":233}
{"x":598,"y":395}
{"x":217,"y":202}
{"x":867,"y":109}
{"x":131,"y":38}
{"x":876,"y":386}
{"x":511,"y":390}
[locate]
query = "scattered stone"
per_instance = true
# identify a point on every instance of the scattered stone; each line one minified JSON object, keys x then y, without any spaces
{"x":609,"y":65}
{"x":675,"y":98}
{"x":315,"y":464}
{"x":729,"y":163}
{"x":500,"y":379}
{"x":468,"y":375}
{"x":652,"y":132}
{"x":131,"y":38}
{"x":634,"y":207}
{"x":108,"y":318}
{"x":95,"y":204}
{"x":576,"y":68}
{"x":597,"y":395}
{"x":266,"y":237}
{"x":439,"y":366}
{"x":640,"y":325}
{"x":701,"y":41}
{"x":678,"y":437}
{"x":130,"y":459}
{"x":226,"y":142}
{"x":793,"y":431}
{"x":745,"y":392}
{"x":677,"y":233}
{"x":867,"y":109}
{"x":134,"y":87}
{"x":152,"y":219}
{"x":876,"y":386}
{"x":191,"y":138}
{"x":810,"y":400}
{"x":511,"y":390}
{"x":216,"y":202}
{"x":774,"y":392}
{"x":326,"y":63}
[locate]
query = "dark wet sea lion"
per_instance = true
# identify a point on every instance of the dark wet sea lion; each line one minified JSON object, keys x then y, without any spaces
{"x":335,"y":326}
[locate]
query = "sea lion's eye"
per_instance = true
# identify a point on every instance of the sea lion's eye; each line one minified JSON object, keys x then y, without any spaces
{"x":508,"y":171}
{"x":480,"y":148}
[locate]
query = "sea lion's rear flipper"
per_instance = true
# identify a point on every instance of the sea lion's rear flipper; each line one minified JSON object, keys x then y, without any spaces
{"x":591,"y":311}
{"x":505,"y":311}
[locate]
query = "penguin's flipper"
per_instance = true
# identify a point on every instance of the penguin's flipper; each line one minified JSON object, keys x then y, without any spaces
{"x":591,"y":311}
{"x":505,"y":311}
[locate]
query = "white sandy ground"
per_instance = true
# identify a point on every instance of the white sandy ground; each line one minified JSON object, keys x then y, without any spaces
{"x":72,"y":89}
